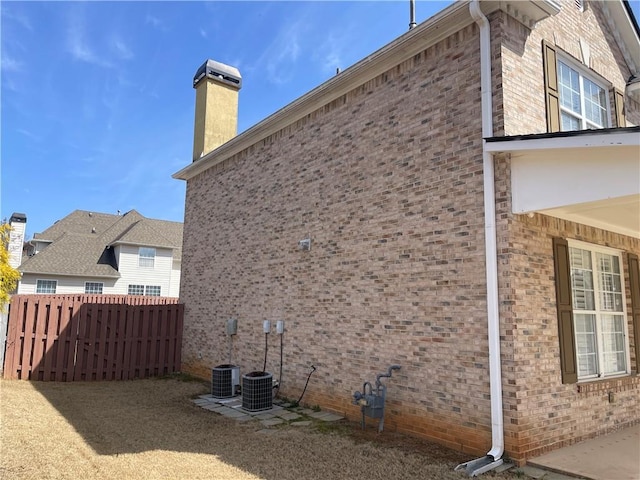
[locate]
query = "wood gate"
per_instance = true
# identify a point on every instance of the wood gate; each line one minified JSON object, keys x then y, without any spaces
{"x":92,"y":337}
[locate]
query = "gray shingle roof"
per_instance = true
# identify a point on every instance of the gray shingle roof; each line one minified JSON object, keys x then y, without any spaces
{"x":82,"y":241}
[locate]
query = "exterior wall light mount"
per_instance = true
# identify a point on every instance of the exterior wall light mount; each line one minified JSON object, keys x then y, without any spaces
{"x":305,"y":244}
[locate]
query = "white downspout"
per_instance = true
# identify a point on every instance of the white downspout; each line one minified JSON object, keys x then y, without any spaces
{"x":493,"y":458}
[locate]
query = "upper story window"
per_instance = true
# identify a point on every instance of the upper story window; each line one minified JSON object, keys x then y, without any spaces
{"x":583,"y":103}
{"x":146,"y":257}
{"x":46,"y":286}
{"x":93,"y":287}
{"x":577,"y":98}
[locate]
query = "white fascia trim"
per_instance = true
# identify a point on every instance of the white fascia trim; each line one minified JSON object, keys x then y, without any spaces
{"x":53,"y":274}
{"x":622,"y":139}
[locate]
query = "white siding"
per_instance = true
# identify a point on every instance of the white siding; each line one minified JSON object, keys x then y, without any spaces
{"x":165,"y":274}
{"x":65,"y":284}
{"x":174,"y":284}
{"x":132,"y":274}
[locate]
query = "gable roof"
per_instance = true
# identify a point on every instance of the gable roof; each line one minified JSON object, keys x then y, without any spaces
{"x":81,"y":243}
{"x":448,"y":21}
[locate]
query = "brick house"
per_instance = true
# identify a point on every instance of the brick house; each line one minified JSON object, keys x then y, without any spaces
{"x":463,"y":219}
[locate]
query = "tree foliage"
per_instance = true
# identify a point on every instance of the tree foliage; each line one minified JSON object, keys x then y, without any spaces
{"x":9,"y":276}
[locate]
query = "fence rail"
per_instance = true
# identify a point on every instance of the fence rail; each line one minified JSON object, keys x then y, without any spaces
{"x":92,"y":337}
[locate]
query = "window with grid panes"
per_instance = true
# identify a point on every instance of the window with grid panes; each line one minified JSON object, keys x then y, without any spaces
{"x":46,"y":286}
{"x":146,"y":257}
{"x":152,"y":290}
{"x":93,"y":287}
{"x":597,"y":288}
{"x":135,"y":290}
{"x":583,"y":102}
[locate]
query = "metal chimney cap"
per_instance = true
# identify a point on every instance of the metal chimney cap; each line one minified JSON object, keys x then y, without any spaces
{"x":219,"y":72}
{"x":18,"y":218}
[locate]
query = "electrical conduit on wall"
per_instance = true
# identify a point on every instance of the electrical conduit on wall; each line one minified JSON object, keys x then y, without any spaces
{"x":493,"y":458}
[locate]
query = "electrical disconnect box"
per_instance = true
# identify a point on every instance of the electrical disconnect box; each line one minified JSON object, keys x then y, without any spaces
{"x":232,"y":326}
{"x":280,"y":327}
{"x":266,"y":326}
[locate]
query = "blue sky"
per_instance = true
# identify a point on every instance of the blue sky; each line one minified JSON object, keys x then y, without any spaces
{"x":96,"y":97}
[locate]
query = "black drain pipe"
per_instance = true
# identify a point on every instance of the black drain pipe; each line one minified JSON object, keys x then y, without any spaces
{"x":313,"y":369}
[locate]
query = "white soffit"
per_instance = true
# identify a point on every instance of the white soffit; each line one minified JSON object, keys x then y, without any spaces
{"x":592,"y":179}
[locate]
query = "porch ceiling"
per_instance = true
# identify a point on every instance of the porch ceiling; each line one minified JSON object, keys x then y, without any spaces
{"x":589,"y":177}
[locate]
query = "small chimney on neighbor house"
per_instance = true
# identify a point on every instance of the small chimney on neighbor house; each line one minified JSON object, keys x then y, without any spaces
{"x":18,"y":223}
{"x":216,"y":121}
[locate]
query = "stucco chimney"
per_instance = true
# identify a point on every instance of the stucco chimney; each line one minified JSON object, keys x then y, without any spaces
{"x":18,"y":223}
{"x":216,"y":121}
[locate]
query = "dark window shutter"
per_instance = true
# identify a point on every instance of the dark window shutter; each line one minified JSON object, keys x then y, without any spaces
{"x":634,"y":285}
{"x":619,"y":107}
{"x":566,"y":331}
{"x":552,"y":96}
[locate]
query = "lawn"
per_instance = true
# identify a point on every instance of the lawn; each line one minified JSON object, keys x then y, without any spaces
{"x":150,"y":429}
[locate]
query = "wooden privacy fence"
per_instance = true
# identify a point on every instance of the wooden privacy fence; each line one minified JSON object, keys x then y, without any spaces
{"x":92,"y":337}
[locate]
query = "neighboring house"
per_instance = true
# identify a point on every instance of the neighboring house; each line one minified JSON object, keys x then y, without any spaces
{"x":99,"y":253}
{"x":447,"y":228}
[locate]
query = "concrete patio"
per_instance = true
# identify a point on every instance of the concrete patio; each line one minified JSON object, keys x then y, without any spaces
{"x":615,"y":456}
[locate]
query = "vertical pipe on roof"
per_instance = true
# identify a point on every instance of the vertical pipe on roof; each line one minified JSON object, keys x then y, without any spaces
{"x":493,"y":458}
{"x":412,"y":14}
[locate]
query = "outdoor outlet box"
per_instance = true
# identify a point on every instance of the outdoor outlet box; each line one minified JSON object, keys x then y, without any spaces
{"x":232,"y":326}
{"x":266,"y":326}
{"x":280,"y":327}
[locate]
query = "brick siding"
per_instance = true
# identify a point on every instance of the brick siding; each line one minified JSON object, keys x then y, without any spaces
{"x":390,"y":192}
{"x":541,"y":413}
{"x":387,"y":182}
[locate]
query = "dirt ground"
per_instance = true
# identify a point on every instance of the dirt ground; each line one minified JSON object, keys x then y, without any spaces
{"x":150,"y":429}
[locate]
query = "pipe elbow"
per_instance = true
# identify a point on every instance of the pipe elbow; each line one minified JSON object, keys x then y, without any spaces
{"x":476,"y":13}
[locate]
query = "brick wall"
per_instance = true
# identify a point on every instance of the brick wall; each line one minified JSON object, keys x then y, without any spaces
{"x":521,"y":55}
{"x":541,"y":413}
{"x":387,"y":182}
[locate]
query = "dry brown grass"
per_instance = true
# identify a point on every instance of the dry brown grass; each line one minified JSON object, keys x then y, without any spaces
{"x":147,"y":429}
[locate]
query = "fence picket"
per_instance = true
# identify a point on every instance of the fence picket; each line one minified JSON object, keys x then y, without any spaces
{"x":116,"y":342}
{"x":62,"y":347}
{"x":101,"y":347}
{"x":51,"y":339}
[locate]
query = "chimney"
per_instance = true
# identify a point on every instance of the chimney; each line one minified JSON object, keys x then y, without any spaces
{"x":216,"y":121}
{"x":18,"y":223}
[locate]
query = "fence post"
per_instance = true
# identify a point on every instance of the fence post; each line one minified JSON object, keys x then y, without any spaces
{"x":4,"y":325}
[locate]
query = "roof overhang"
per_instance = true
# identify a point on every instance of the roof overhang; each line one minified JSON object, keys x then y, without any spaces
{"x":74,"y":275}
{"x":142,"y":244}
{"x":625,"y":30}
{"x":442,"y":25}
{"x":590,"y":177}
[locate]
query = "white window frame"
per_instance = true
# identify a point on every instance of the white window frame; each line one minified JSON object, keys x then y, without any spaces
{"x":93,"y":286}
{"x":583,"y":73}
{"x":136,"y":288}
{"x":40,"y":282}
{"x":146,"y":257}
{"x":599,"y":312}
{"x":150,"y":290}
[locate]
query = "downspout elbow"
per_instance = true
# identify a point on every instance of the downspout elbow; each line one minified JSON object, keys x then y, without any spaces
{"x":485,"y":66}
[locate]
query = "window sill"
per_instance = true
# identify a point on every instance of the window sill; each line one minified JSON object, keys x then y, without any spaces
{"x":613,"y":384}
